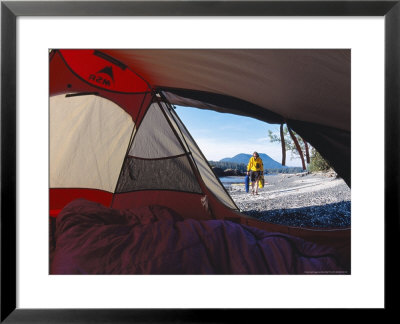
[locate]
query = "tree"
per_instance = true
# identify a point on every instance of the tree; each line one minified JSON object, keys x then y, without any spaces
{"x":291,"y":142}
{"x":318,"y":163}
{"x":299,"y":147}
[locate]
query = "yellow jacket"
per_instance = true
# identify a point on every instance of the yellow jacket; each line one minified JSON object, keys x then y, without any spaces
{"x":255,"y":164}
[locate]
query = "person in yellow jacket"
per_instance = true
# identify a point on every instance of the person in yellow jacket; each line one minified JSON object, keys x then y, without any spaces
{"x":256,"y":169}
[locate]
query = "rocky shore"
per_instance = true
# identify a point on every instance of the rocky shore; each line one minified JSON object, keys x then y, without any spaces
{"x":318,"y":200}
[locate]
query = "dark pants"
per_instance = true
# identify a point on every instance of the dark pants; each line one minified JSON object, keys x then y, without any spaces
{"x":255,"y":175}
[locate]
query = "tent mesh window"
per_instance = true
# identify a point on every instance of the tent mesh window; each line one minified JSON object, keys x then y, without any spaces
{"x":157,"y":159}
{"x":165,"y":174}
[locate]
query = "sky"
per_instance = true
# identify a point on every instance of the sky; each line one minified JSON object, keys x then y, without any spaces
{"x":225,"y":135}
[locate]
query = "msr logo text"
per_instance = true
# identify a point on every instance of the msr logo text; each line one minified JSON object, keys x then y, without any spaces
{"x":100,"y":80}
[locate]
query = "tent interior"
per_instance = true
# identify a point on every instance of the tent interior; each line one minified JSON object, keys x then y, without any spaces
{"x":132,"y":193}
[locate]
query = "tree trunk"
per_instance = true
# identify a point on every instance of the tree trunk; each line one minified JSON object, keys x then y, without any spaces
{"x":307,"y":151}
{"x":283,"y":147}
{"x":298,"y":147}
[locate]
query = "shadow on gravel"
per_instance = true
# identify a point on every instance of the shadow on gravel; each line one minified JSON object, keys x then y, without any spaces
{"x":330,"y":215}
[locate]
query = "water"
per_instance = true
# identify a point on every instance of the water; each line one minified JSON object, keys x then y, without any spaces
{"x":236,"y":179}
{"x":227,"y":181}
{"x":232,"y":179}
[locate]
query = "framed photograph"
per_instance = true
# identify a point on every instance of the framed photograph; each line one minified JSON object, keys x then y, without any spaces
{"x":368,"y":31}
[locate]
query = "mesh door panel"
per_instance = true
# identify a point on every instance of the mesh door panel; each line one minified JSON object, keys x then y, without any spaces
{"x":173,"y":173}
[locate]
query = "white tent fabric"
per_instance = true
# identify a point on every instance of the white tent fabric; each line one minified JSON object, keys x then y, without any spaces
{"x":89,"y":136}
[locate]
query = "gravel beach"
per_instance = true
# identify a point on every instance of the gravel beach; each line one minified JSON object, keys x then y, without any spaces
{"x":318,"y":200}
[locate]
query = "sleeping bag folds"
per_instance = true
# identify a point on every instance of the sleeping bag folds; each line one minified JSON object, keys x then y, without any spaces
{"x":89,"y":238}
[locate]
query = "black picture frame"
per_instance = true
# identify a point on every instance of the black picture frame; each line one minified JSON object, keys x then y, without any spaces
{"x":10,"y":10}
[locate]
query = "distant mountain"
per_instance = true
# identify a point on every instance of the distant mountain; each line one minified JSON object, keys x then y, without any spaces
{"x":268,"y":162}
